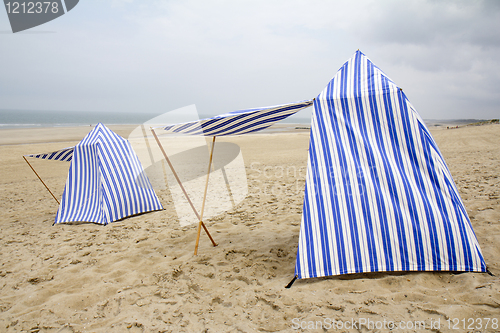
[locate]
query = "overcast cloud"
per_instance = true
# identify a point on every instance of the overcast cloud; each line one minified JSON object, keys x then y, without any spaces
{"x":156,"y":56}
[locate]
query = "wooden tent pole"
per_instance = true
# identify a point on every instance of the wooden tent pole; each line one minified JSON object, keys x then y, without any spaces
{"x":175,"y":173}
{"x":147,"y":144}
{"x":201,"y":224}
{"x":53,"y":196}
{"x":183,"y":189}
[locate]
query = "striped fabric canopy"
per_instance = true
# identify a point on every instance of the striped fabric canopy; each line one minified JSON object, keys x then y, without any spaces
{"x":239,"y":122}
{"x":106,"y":181}
{"x":379,"y":196}
{"x":64,"y":155}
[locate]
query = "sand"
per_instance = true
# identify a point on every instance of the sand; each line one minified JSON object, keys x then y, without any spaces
{"x":140,"y":275}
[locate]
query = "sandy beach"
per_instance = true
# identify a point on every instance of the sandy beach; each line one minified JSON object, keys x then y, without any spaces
{"x":140,"y":274}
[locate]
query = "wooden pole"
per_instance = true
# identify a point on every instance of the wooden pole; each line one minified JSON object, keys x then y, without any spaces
{"x":53,"y":196}
{"x":145,"y":135}
{"x":175,"y":173}
{"x":201,"y":224}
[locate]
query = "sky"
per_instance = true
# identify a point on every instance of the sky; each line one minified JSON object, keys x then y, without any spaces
{"x":156,"y":56}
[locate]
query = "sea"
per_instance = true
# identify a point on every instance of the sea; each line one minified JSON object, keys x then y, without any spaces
{"x":37,"y":118}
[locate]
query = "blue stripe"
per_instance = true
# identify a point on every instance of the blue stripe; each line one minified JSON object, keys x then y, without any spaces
{"x":377,"y":186}
{"x":396,"y":201}
{"x":347,"y":184}
{"x":310,"y":248}
{"x":340,"y":250}
{"x":373,"y":258}
{"x":321,"y":209}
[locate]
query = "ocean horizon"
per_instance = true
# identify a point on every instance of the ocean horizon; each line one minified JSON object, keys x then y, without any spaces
{"x":10,"y":119}
{"x":36,"y":118}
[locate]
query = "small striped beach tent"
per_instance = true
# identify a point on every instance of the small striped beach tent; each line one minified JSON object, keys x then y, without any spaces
{"x":106,"y":181}
{"x":379,"y":196}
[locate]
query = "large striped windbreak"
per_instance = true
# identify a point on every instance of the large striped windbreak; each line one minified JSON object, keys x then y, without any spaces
{"x":379,"y":196}
{"x":239,"y":122}
{"x":106,"y":181}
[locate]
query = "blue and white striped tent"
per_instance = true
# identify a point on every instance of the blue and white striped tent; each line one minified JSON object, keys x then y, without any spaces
{"x":379,"y":196}
{"x":239,"y":122}
{"x":106,"y":181}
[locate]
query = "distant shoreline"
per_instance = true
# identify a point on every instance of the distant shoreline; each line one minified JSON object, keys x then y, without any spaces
{"x":457,"y":123}
{"x":50,"y":134}
{"x":300,"y":125}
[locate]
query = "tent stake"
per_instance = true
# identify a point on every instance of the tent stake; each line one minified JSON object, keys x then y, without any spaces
{"x":201,"y":224}
{"x":53,"y":196}
{"x":203,"y":203}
